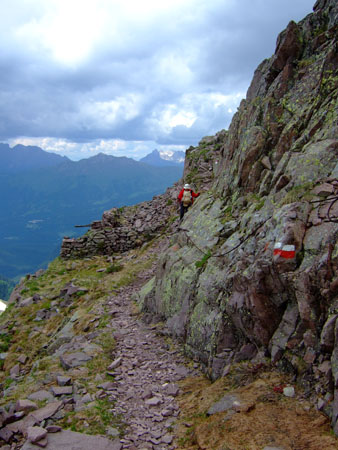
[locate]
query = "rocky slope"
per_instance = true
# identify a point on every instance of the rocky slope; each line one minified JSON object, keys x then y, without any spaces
{"x":253,"y":271}
{"x":76,"y":360}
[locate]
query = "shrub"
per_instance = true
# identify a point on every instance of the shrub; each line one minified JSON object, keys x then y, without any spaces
{"x":114,"y":268}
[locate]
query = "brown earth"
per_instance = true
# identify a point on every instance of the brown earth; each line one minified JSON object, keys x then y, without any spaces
{"x":266,"y":418}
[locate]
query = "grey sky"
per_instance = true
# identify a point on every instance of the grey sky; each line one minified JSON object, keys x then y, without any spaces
{"x":124,"y":77}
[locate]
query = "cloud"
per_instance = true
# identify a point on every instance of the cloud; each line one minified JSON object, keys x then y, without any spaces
{"x":88,"y":75}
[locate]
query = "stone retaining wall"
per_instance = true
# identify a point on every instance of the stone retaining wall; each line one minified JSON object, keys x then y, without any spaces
{"x":122,"y":229}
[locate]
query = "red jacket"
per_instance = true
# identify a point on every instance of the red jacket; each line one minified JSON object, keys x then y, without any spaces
{"x":193,"y":195}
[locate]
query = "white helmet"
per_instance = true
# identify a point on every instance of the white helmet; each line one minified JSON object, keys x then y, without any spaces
{"x":187,"y":186}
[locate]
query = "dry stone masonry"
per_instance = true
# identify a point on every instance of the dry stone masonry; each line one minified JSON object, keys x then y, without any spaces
{"x":122,"y":229}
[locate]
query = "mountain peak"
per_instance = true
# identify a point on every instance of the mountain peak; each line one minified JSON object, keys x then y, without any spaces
{"x":164,"y":158}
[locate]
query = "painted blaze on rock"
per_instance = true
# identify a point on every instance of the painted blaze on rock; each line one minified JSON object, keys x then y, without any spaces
{"x":263,"y":236}
{"x":284,"y":251}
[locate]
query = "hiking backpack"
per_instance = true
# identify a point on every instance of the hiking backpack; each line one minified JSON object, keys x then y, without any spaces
{"x":187,"y":198}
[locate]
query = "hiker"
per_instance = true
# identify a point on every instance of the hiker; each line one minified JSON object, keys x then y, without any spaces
{"x":186,"y":199}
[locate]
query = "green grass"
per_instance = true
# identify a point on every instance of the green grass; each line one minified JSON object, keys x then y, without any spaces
{"x":5,"y":342}
{"x":114,"y":268}
{"x":8,"y":382}
{"x":104,"y":320}
{"x":93,"y":420}
{"x":299,"y":192}
{"x":257,"y":200}
{"x":201,"y":263}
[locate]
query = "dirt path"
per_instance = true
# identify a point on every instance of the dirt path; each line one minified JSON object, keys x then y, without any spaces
{"x":145,"y":373}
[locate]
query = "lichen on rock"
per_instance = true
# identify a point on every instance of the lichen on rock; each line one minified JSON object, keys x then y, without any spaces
{"x":275,"y":185}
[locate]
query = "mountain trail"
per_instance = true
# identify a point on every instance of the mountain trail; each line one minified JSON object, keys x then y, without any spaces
{"x":146,"y":372}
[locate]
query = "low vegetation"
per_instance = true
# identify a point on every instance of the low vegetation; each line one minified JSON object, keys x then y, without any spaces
{"x":31,"y":330}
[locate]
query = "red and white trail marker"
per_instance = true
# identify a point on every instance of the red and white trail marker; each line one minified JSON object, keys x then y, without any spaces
{"x":285,"y":251}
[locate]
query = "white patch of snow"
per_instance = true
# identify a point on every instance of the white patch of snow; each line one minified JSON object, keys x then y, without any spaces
{"x":170,"y":155}
{"x":3,"y":306}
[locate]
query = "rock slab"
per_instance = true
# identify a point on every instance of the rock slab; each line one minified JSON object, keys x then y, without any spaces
{"x":70,"y":440}
{"x":222,"y":405}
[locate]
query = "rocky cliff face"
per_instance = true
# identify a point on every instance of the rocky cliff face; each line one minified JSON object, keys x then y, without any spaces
{"x":252,"y":272}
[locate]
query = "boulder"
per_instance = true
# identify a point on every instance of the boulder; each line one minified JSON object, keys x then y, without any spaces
{"x":224,"y":404}
{"x":75,"y":359}
{"x":22,"y":359}
{"x":36,"y":434}
{"x":6,"y":434}
{"x":21,"y":426}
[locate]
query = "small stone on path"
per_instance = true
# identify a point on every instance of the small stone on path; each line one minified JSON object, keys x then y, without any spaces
{"x":15,"y":371}
{"x":116,"y":363}
{"x":167,"y":439}
{"x":289,"y":391}
{"x":172,"y":389}
{"x":153,"y":401}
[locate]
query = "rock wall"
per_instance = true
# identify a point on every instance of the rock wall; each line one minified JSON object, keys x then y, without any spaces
{"x":253,"y":271}
{"x":124,"y":228}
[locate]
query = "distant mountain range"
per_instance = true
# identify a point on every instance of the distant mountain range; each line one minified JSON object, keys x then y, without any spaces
{"x":164,"y":158}
{"x":21,"y":158}
{"x":44,"y":195}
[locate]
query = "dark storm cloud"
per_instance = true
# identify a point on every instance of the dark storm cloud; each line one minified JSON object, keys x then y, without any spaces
{"x":170,"y":79}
